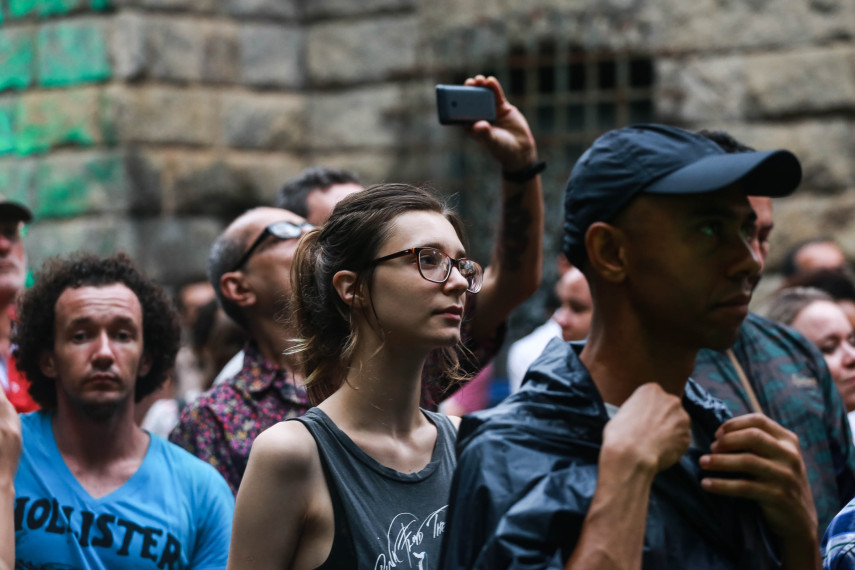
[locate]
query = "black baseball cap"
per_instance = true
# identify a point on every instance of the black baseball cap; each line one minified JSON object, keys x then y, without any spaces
{"x":660,"y":159}
{"x":10,"y":210}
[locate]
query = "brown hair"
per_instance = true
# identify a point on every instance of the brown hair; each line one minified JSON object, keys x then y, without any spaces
{"x":349,"y":240}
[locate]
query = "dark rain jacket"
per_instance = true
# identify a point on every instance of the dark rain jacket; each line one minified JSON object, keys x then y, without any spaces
{"x":527,"y":471}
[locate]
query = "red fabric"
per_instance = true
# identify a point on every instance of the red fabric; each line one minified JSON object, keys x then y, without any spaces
{"x":18,"y":392}
{"x":19,"y":387}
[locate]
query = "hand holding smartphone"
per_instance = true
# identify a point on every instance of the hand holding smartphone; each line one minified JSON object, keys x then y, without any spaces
{"x":462,"y":104}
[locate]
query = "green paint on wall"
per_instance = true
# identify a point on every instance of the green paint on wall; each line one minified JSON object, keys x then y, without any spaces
{"x":65,"y":189}
{"x":71,"y":53}
{"x":7,"y":128}
{"x":42,"y":8}
{"x":16,"y":55}
{"x":59,"y":119}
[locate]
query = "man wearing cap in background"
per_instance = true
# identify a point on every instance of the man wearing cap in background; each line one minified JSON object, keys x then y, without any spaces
{"x":13,"y":272}
{"x":610,"y":456}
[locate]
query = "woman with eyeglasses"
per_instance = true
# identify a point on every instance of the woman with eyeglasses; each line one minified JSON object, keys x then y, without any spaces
{"x":362,"y":480}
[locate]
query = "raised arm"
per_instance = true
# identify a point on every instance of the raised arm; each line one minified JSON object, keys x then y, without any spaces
{"x":515,"y":269}
{"x":275,"y":500}
{"x":10,"y":452}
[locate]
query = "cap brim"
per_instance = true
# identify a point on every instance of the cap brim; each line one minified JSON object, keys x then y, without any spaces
{"x":15,"y":211}
{"x":773,"y":173}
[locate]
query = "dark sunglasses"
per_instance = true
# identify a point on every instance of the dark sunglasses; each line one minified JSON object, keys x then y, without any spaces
{"x":436,"y":265}
{"x":281,"y":231}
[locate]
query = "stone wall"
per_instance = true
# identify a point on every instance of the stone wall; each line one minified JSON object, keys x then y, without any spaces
{"x":147,"y":124}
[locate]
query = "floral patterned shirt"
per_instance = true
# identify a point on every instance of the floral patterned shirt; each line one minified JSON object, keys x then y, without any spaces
{"x":221,"y":424}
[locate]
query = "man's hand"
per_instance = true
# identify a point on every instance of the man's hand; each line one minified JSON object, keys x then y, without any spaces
{"x":651,"y":426}
{"x":509,"y":139}
{"x":767,"y":461}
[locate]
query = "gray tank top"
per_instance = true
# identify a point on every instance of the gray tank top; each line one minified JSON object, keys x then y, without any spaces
{"x":384,"y":519}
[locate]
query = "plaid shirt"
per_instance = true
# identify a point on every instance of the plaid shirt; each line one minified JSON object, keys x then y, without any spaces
{"x":838,"y":545}
{"x":794,"y":388}
{"x":220,"y":426}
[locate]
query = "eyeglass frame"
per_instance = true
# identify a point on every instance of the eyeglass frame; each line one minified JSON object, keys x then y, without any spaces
{"x":417,"y":251}
{"x":268,"y":232}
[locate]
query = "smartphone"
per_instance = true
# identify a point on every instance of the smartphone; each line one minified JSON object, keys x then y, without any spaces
{"x":462,"y":104}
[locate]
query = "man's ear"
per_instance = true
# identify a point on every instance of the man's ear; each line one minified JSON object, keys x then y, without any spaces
{"x":235,"y":288}
{"x":47,"y":363}
{"x":606,"y":246}
{"x":345,"y":284}
{"x":145,"y":365}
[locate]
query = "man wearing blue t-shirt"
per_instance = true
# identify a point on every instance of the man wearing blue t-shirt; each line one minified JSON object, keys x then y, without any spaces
{"x":93,"y":490}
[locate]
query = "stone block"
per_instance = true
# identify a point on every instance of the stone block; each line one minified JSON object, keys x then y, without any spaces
{"x":355,"y":118}
{"x":168,"y":115}
{"x":803,"y":216}
{"x":692,"y":90}
{"x":175,"y":49}
{"x":8,"y":124}
{"x":171,"y":250}
{"x":372,"y":167}
{"x":196,"y":6}
{"x":265,"y":122}
{"x":788,"y":84}
{"x":43,"y":8}
{"x":74,"y":184}
{"x":707,"y":25}
{"x":262,"y":9}
{"x":824,"y":148}
{"x":17,"y":58}
{"x":78,"y":117}
{"x":207,"y":184}
{"x":72,"y":52}
{"x":17,"y":179}
{"x":128,"y":46}
{"x":97,"y":234}
{"x":220,"y":54}
{"x":271,"y":55}
{"x":338,"y":8}
{"x":266,"y":172}
{"x":364,"y":50}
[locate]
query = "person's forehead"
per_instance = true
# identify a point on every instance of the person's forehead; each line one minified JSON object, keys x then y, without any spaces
{"x":423,"y":228}
{"x":115,"y":299}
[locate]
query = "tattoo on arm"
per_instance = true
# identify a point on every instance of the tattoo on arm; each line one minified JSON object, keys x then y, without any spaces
{"x":513,"y":238}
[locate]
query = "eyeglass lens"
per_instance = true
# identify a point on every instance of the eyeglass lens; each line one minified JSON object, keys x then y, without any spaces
{"x":436,"y":266}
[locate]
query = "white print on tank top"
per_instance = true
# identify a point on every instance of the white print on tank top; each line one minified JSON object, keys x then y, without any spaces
{"x":405,"y":535}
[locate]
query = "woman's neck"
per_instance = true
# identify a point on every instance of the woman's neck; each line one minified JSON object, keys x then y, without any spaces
{"x":382,"y":391}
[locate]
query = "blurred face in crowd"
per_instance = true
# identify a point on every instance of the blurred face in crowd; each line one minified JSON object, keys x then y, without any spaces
{"x":320,"y":203}
{"x":13,"y":264}
{"x":574,"y":314}
{"x":825,"y":324}
{"x":820,"y":255}
{"x":762,"y":206}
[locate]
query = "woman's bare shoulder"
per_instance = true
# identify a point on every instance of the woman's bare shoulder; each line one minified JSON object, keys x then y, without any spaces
{"x":286,"y":446}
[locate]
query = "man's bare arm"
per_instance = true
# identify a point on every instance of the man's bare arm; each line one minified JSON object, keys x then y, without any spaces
{"x":10,"y":452}
{"x":649,"y":433}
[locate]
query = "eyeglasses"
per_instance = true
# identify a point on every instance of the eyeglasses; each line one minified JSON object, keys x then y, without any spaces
{"x":280,"y":230}
{"x":436,"y":265}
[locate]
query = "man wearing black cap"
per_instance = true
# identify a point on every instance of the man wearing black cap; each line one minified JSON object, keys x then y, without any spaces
{"x":13,"y":272}
{"x":610,"y":456}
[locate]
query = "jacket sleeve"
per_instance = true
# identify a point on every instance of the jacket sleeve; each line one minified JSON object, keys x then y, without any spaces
{"x":512,"y":507}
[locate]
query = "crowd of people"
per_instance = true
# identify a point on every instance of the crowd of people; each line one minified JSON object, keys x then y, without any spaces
{"x":285,"y":412}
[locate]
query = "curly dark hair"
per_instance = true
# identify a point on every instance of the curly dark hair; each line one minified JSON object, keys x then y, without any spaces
{"x":36,"y":312}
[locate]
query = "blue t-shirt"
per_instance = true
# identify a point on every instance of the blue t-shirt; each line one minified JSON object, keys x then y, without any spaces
{"x":175,"y":512}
